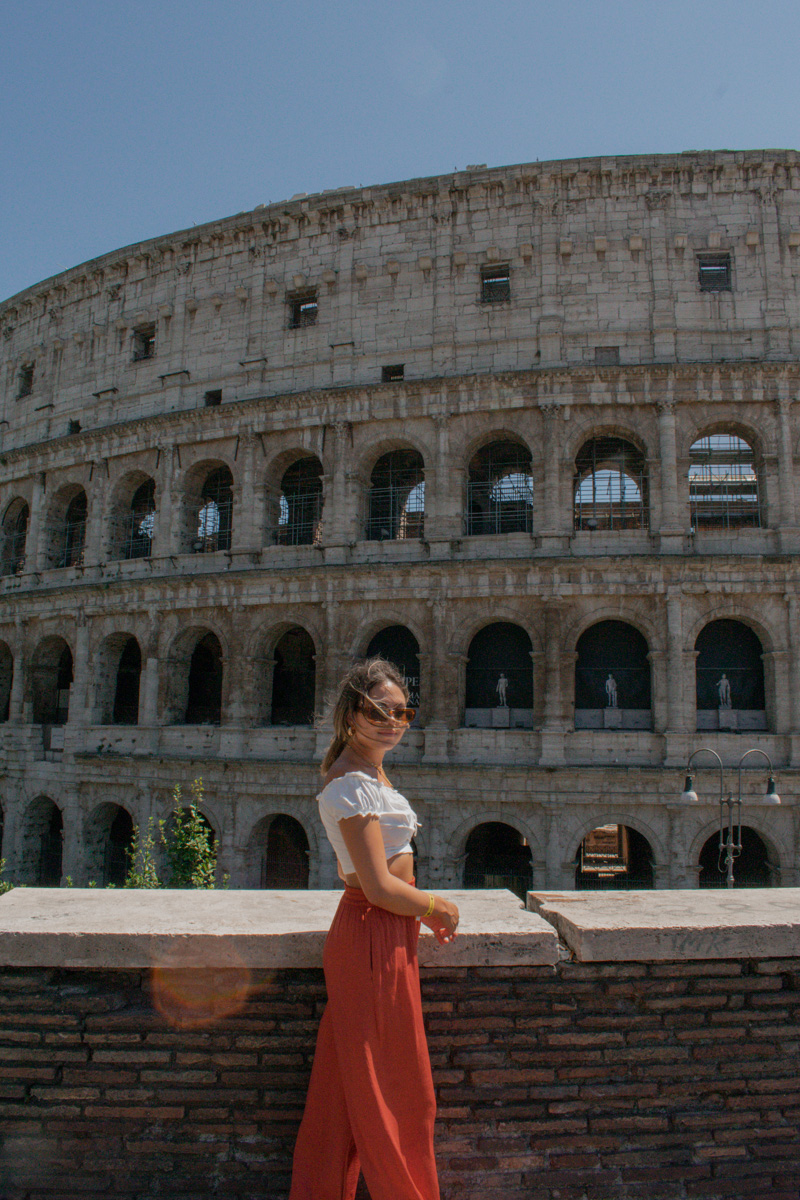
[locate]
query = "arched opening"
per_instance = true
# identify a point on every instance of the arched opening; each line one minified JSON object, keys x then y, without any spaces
{"x":396,"y":499}
{"x":294,"y":679}
{"x":398,"y":645}
{"x":51,"y":680}
{"x":300,"y":516}
{"x":279,"y":847}
{"x":42,"y":844}
{"x":6,"y":679}
{"x":107,"y":844}
{"x":135,"y":536}
{"x":71,"y":535}
{"x":752,"y":867}
{"x":204,"y":698}
{"x":500,"y":489}
{"x":126,"y":691}
{"x":498,"y":856}
{"x":499,"y":678}
{"x":612,"y":678}
{"x":15,"y":532}
{"x":723,"y":483}
{"x":614,"y":858}
{"x":214,"y":514}
{"x":611,"y":489}
{"x":730,"y":677}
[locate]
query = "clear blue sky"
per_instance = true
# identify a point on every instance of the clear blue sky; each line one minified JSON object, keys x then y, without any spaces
{"x":123,"y":121}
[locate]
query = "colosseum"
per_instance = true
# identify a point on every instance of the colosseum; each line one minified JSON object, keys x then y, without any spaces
{"x":530,"y":432}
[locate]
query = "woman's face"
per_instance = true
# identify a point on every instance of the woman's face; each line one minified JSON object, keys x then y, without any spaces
{"x":376,"y":734}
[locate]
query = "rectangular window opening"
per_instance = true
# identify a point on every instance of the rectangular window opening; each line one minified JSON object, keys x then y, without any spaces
{"x":302,"y":310}
{"x":213,"y":398}
{"x":714,"y":272}
{"x":495,"y":284}
{"x":144,"y":342}
{"x":25,"y":380}
{"x":606,"y":356}
{"x":393,"y":374}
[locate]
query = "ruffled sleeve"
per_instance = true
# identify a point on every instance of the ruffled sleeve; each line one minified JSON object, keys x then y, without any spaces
{"x":351,"y":796}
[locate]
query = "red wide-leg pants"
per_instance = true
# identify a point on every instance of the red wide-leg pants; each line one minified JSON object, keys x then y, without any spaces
{"x":370,"y":1101}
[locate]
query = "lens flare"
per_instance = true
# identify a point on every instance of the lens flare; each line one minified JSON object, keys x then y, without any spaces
{"x":192,"y":996}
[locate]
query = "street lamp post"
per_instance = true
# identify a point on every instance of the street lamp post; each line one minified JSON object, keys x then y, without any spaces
{"x":730,"y":822}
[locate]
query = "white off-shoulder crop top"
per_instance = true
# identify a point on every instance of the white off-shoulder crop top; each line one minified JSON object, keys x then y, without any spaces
{"x":357,"y":793}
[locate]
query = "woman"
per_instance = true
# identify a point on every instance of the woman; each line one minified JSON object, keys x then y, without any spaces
{"x":370,"y":1101}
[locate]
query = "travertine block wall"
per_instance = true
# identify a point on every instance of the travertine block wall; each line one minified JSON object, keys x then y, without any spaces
{"x":601,"y":254}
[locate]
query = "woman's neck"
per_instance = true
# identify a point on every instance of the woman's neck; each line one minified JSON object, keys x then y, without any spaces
{"x":374,"y":760}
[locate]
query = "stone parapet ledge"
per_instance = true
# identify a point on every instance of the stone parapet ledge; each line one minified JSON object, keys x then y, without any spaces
{"x":674,"y":926}
{"x":139,"y":929}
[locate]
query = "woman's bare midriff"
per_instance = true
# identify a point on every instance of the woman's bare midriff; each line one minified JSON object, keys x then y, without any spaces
{"x":400,"y":865}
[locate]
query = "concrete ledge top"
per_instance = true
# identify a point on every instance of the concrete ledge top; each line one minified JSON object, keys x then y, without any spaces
{"x":133,"y":929}
{"x":676,"y":925}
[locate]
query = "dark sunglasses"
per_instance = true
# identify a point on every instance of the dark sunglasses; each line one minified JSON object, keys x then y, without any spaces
{"x":386,"y":716}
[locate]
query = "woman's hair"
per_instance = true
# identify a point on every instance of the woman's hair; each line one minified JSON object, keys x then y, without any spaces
{"x":355,"y":686}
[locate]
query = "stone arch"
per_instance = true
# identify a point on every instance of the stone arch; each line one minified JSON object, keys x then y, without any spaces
{"x":14,"y":534}
{"x":408,"y":439}
{"x":753,"y":819}
{"x":208,"y":499}
{"x":66,"y":527}
{"x":497,"y":855}
{"x":613,"y":687}
{"x":457,"y":838}
{"x":395,"y":499}
{"x":132,"y":516}
{"x":260,"y":662}
{"x":107,"y":837}
{"x":278,"y":853}
{"x":694,"y":429}
{"x":725,"y":480}
{"x":194,"y":683}
{"x":575,"y":838}
{"x":293,"y":678}
{"x":614,"y":856}
{"x":51,"y":681}
{"x":729,"y":676}
{"x":499,"y":487}
{"x":295,"y":499}
{"x":498,"y":678}
{"x":621,"y":611}
{"x":6,"y":680}
{"x":473,"y":623}
{"x":757,"y":865}
{"x":118,"y":670}
{"x":42,"y":844}
{"x":610,"y":485}
{"x":465,"y":449}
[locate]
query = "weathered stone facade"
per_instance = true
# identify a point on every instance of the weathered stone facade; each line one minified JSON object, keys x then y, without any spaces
{"x":646,"y":303}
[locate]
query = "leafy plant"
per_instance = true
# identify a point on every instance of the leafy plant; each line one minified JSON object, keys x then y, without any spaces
{"x":142,"y":871}
{"x":5,"y":884}
{"x":189,"y":844}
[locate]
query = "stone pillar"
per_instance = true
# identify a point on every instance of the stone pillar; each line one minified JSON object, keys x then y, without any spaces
{"x":788,"y":533}
{"x":166,"y":534}
{"x":339,"y":529}
{"x":553,"y":727}
{"x":95,"y":549}
{"x":793,"y":623}
{"x":444,"y":491}
{"x":556,"y":518}
{"x":247,"y":536}
{"x":673,"y":523}
{"x":659,"y":701}
{"x":81,"y":687}
{"x":17,"y":697}
{"x":148,"y":683}
{"x":676,"y":747}
{"x":36,"y":540}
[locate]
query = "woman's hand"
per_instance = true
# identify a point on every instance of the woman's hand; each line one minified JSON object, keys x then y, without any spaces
{"x":443,"y":920}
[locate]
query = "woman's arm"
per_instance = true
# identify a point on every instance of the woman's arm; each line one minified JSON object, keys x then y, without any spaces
{"x":362,"y":837}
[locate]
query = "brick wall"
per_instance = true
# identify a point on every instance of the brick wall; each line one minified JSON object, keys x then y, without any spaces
{"x":587,"y":1082}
